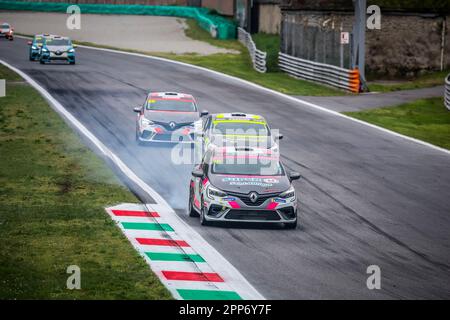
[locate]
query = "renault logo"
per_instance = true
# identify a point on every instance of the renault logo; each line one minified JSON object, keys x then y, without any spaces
{"x":172,"y":125}
{"x":253,"y":197}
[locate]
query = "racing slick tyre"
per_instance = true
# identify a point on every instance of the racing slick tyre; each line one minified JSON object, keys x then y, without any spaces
{"x":41,"y":61}
{"x":192,"y":212}
{"x":72,"y":62}
{"x":291,"y":225}
{"x":203,"y":221}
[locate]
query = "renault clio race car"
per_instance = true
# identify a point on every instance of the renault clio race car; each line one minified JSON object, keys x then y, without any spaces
{"x":7,"y":31}
{"x":167,"y":117}
{"x":242,"y":184}
{"x":56,"y":48}
{"x":36,"y":46}
{"x":237,"y":129}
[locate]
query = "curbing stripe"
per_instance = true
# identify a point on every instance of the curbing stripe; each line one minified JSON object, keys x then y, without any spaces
{"x":192,"y":276}
{"x":177,"y":265}
{"x":208,"y":295}
{"x":162,"y":242}
{"x":147,"y":226}
{"x":166,"y":256}
{"x":130,"y":213}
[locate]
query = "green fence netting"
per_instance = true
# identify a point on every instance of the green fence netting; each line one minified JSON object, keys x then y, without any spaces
{"x":218,"y":26}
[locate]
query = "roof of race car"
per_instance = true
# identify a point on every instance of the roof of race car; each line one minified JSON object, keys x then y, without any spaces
{"x":170,"y":96}
{"x":238,"y":117}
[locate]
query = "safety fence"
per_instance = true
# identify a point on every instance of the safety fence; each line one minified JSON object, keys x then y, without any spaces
{"x":218,"y":26}
{"x":331,"y":75}
{"x":447,"y":92}
{"x":258,"y":56}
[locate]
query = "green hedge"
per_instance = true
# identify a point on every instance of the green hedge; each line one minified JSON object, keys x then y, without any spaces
{"x":220,"y":27}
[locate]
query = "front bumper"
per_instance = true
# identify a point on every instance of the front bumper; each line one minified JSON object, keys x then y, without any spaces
{"x":178,"y":136}
{"x":233,"y":209}
{"x":50,"y":56}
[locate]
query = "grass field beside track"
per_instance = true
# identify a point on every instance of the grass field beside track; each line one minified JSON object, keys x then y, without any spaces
{"x":53,"y":191}
{"x":425,"y":119}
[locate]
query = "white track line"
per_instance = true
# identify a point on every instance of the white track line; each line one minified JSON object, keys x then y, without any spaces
{"x":217,"y":262}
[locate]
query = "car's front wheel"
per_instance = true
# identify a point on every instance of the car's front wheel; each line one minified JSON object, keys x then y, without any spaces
{"x":203,"y":220}
{"x":192,"y":211}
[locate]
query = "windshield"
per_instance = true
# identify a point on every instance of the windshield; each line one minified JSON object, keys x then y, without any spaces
{"x":171,"y":105}
{"x":244,"y":165}
{"x":241,"y":128}
{"x":38,"y":40}
{"x":57,"y":42}
{"x":4,"y":26}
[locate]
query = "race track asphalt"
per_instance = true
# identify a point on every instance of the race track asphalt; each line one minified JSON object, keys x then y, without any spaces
{"x":367,"y":197}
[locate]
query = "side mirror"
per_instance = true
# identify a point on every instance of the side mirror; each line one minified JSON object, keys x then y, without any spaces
{"x":137,"y":109}
{"x":294,"y":176}
{"x":279,"y":136}
{"x":197,"y":173}
{"x":204,"y":113}
{"x":30,"y":43}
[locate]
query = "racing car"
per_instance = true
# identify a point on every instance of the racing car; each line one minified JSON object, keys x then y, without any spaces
{"x":36,"y":45}
{"x":235,"y":184}
{"x":167,"y":117}
{"x":7,"y":31}
{"x":237,"y":129}
{"x":57,"y":48}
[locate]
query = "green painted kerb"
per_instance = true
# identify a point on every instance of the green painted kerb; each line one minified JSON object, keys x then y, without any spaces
{"x":147,"y":226}
{"x":162,"y":256}
{"x":188,"y":294}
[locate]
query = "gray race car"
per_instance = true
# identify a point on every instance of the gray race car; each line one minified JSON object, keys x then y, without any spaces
{"x":167,"y":117}
{"x":242,"y":184}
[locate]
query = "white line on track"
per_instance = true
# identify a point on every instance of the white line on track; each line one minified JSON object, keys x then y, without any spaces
{"x":217,"y":262}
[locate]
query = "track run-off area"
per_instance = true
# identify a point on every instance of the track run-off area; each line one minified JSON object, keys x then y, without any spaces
{"x":368,"y":197}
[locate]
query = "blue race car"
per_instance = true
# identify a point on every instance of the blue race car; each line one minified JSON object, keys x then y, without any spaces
{"x":36,"y":46}
{"x":57,"y":48}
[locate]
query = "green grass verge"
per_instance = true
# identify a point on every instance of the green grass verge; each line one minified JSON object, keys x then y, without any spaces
{"x":425,"y":119}
{"x":424,"y":81}
{"x":53,"y":191}
{"x":269,"y":43}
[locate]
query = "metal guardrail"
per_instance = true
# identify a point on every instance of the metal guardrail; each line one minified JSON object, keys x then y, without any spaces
{"x":447,"y":92}
{"x":258,"y":56}
{"x":334,"y":76}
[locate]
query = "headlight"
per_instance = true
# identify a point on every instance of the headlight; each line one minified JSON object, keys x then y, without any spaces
{"x":44,"y":50}
{"x":288,"y":193}
{"x":146,"y":122}
{"x":213,"y":192}
{"x":33,"y":47}
{"x":71,"y":50}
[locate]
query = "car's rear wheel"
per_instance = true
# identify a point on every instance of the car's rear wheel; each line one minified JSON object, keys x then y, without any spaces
{"x":290,"y":225}
{"x":192,"y":211}
{"x":41,"y":61}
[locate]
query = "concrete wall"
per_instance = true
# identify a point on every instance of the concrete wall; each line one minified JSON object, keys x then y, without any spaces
{"x":406,"y":45}
{"x":225,"y":7}
{"x":269,"y":18}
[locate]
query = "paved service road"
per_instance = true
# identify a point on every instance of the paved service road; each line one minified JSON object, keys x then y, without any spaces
{"x":143,"y":33}
{"x":368,"y":197}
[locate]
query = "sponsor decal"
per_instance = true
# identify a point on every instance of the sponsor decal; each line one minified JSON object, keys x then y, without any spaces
{"x":237,"y":181}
